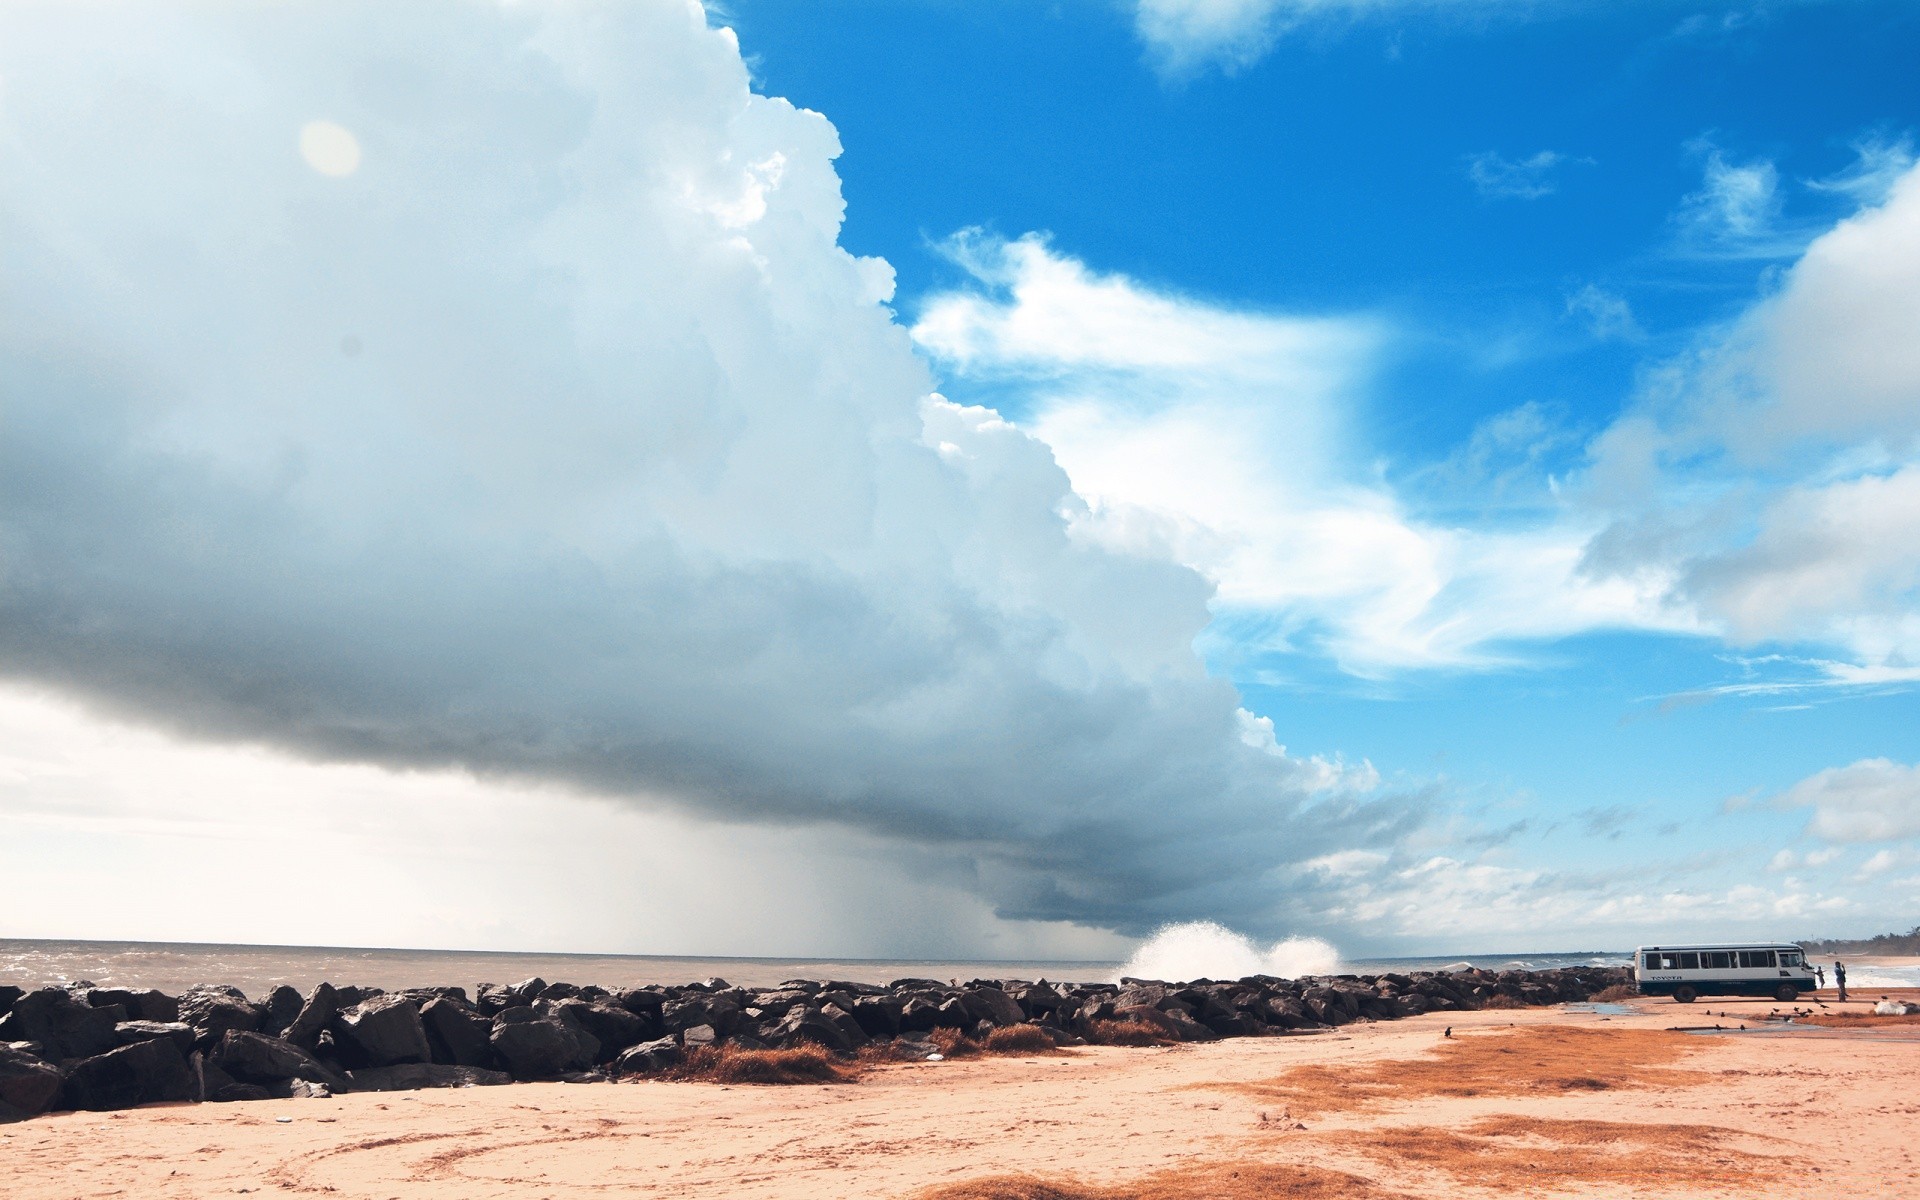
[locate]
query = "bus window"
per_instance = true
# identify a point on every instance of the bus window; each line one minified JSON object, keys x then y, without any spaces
{"x":1789,"y":958}
{"x":1717,"y":960}
{"x":1652,"y":962}
{"x":1689,"y":961}
{"x":1756,"y":958}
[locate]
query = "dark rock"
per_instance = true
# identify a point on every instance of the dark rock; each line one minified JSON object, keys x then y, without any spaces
{"x":643,"y":1002}
{"x":527,"y":990}
{"x":1147,"y":1014}
{"x":318,"y":1011}
{"x":515,"y":1015}
{"x":214,"y":1011}
{"x":382,"y":1031}
{"x":613,"y":1027}
{"x":992,"y":1004}
{"x":536,"y":1049}
{"x":698,"y":1036}
{"x":829,"y":1026}
{"x":256,"y":1058}
{"x":9,"y":994}
{"x":878,"y":1016}
{"x":558,"y":991}
{"x":457,"y":1035}
{"x":27,"y":1084}
{"x":280,"y":1011}
{"x":490,"y":998}
{"x":108,"y":997}
{"x":350,"y":996}
{"x":142,"y":1073}
{"x":408,"y":1077}
{"x":152,"y":1005}
{"x":181,"y":1033}
{"x":64,"y":1025}
{"x":648,"y":1058}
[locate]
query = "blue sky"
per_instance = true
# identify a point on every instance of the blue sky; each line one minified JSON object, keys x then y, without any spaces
{"x":1466,"y":175}
{"x":908,"y":477}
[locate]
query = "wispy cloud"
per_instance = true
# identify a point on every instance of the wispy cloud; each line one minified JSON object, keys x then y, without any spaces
{"x":1607,"y":315}
{"x":1498,"y":177}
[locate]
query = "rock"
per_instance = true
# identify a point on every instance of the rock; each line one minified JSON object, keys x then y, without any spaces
{"x":490,"y":998}
{"x":65,"y":1026}
{"x":256,"y":1058}
{"x":586,"y":1047}
{"x":878,"y":1016}
{"x":992,"y":1004}
{"x":27,"y":1084}
{"x":829,"y":1026}
{"x":648,"y":1058}
{"x":612,"y":1026}
{"x":1146,"y":1014}
{"x":321,"y":1006}
{"x":383,"y":1031}
{"x":457,"y":1035}
{"x":142,"y":1073}
{"x":643,"y":1002}
{"x":280,"y":1011}
{"x":129,"y":1032}
{"x":408,"y":1077}
{"x":527,"y":990}
{"x":213,"y":1011}
{"x":9,"y":995}
{"x":109,"y":997}
{"x":306,"y":1089}
{"x":537,"y":1049}
{"x":699,"y":1035}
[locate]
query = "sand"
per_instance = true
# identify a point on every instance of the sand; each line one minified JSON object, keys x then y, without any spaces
{"x":1545,"y":1102}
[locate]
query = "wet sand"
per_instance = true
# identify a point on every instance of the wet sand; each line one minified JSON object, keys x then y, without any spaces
{"x":1556,"y":1102}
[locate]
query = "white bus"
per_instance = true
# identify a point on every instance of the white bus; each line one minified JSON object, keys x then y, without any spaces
{"x":1777,"y":969}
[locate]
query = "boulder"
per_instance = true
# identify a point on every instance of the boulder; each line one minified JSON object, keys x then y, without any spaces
{"x":829,"y":1026}
{"x":541,"y":1048}
{"x":213,"y":1011}
{"x":280,"y":1011}
{"x":9,"y":995}
{"x":878,"y":1016}
{"x":643,"y":1002}
{"x":613,"y":1027}
{"x":992,"y":1004}
{"x":142,"y":1073}
{"x":63,"y":1025}
{"x":129,"y":1032}
{"x":27,"y":1084}
{"x":408,"y":1077}
{"x":457,"y":1036}
{"x":648,"y":1058}
{"x":698,"y":1036}
{"x":256,"y":1058}
{"x":1147,"y":1014}
{"x":316,"y":1013}
{"x":382,"y":1031}
{"x":586,"y":1047}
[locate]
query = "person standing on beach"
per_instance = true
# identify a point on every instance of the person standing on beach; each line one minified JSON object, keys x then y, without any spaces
{"x":1820,"y":974}
{"x":1840,"y":978}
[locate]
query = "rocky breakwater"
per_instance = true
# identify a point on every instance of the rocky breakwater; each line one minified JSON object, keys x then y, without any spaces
{"x":86,"y":1047}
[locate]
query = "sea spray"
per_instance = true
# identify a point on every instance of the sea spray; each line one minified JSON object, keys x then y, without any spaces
{"x":1205,"y":950}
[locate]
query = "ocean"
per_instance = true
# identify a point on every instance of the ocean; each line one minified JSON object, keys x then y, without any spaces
{"x":256,"y":970}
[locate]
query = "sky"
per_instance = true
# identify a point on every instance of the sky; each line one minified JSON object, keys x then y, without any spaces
{"x":910,"y":477}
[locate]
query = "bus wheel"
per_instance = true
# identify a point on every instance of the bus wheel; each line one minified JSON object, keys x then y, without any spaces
{"x":1684,"y":993}
{"x":1786,"y":991}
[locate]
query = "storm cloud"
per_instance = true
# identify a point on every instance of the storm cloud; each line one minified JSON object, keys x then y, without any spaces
{"x":485,"y":387}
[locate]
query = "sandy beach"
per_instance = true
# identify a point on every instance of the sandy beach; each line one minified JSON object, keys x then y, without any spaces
{"x":1564,"y":1101}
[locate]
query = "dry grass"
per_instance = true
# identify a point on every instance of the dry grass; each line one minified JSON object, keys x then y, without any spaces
{"x":1526,"y":1153}
{"x":1021,"y":1039}
{"x":1501,"y":1000}
{"x":1616,"y":994}
{"x":953,"y":1044}
{"x":1211,"y":1181}
{"x":728,"y":1064}
{"x":1127,"y":1033}
{"x":1531,"y":1061}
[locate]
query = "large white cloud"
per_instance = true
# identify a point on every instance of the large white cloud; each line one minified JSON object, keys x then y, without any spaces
{"x":1873,"y":800}
{"x":484,"y":388}
{"x":1772,"y":476}
{"x":1232,"y":440}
